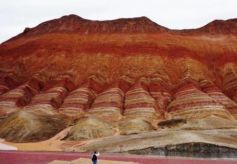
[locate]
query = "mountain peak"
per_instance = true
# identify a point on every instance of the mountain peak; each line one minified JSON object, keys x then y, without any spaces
{"x":71,"y":16}
{"x":76,"y":24}
{"x":221,"y":27}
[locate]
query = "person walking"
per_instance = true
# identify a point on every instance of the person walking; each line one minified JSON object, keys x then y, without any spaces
{"x":95,"y":157}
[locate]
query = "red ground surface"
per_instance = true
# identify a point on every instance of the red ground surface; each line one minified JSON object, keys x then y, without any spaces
{"x":16,"y":157}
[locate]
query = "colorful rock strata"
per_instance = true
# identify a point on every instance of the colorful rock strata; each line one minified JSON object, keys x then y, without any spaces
{"x":108,"y":105}
{"x":159,"y":88}
{"x":77,"y":102}
{"x":140,"y":109}
{"x":230,"y":81}
{"x":7,"y":82}
{"x":191,"y":103}
{"x":15,"y":99}
{"x":139,"y":103}
{"x":80,"y":79}
{"x":214,"y":92}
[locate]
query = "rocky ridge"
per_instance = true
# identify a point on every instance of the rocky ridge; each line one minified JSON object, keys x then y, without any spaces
{"x":119,"y":80}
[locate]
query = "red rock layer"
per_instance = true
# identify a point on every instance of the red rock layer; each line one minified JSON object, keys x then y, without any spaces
{"x":107,"y":50}
{"x":124,"y":83}
{"x":191,"y":103}
{"x":20,"y":96}
{"x":139,"y":103}
{"x":77,"y":102}
{"x":108,"y":104}
{"x":3,"y":88}
{"x":52,"y":97}
{"x":213,"y":91}
{"x":7,"y":82}
{"x":63,"y":80}
{"x":230,"y":81}
{"x":159,"y":88}
{"x":96,"y":82}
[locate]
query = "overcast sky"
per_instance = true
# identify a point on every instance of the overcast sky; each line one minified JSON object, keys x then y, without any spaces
{"x":15,"y":15}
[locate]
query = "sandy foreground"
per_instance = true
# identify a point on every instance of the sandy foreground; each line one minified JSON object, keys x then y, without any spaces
{"x":124,"y":143}
{"x":88,"y":161}
{"x":53,"y":144}
{"x":112,"y":144}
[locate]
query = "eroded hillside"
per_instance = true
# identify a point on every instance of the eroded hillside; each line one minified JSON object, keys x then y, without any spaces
{"x":118,"y":79}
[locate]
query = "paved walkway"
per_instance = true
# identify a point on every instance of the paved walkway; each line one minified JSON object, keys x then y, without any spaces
{"x":88,"y":161}
{"x":17,"y":157}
